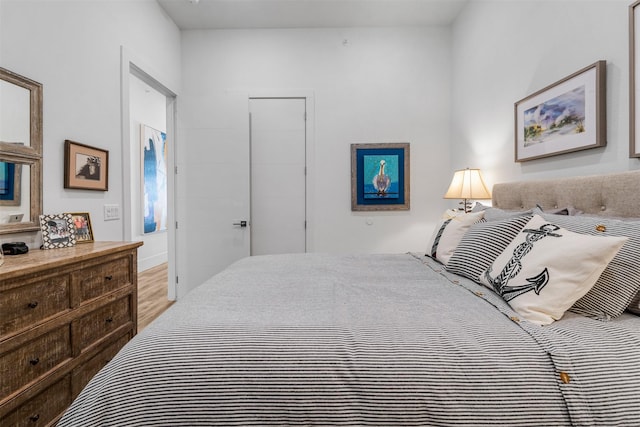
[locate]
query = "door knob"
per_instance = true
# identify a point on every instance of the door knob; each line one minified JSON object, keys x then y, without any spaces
{"x":240,"y":224}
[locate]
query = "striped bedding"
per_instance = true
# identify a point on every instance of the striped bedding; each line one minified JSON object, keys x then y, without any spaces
{"x":316,"y":339}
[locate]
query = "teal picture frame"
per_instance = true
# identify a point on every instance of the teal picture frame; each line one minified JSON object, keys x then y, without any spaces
{"x":380,"y":177}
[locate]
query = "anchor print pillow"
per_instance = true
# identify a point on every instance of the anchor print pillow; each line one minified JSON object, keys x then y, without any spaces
{"x":546,"y":269}
{"x":448,"y":233}
{"x":620,"y":281}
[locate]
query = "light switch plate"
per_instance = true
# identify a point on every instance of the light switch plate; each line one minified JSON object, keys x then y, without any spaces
{"x":111,"y":212}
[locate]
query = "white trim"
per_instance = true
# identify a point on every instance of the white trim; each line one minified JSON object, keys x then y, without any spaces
{"x":152,"y":261}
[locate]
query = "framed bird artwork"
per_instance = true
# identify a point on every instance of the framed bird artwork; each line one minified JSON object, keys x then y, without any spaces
{"x":380,"y":177}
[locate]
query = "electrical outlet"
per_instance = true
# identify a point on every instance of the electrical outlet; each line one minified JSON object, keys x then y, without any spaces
{"x":15,"y":217}
{"x":111,"y":212}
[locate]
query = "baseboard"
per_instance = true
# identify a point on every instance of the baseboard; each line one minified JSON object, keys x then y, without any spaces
{"x":152,"y":261}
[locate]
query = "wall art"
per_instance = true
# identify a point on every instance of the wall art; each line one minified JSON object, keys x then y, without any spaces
{"x":10,"y":177}
{"x":85,"y":167}
{"x":154,"y":179}
{"x":634,"y":81}
{"x":567,"y":116}
{"x":380,"y":177}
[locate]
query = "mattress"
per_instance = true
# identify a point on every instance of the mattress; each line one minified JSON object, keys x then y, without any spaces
{"x":319,"y":339}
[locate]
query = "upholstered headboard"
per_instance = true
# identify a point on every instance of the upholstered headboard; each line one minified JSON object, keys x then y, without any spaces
{"x":612,"y":195}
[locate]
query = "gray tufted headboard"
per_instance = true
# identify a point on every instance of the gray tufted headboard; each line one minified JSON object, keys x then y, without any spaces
{"x":614,"y":195}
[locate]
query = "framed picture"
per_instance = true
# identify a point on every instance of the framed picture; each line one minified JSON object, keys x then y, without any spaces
{"x":634,"y":81}
{"x":154,"y":179}
{"x":10,"y":177}
{"x":82,"y":223}
{"x":567,"y":116}
{"x":85,"y":167}
{"x":380,"y":177}
{"x":58,"y":231}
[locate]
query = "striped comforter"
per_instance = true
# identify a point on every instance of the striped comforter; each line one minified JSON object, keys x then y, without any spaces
{"x":363,"y":340}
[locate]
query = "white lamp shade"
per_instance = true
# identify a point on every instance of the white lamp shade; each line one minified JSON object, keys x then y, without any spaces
{"x":467,"y":184}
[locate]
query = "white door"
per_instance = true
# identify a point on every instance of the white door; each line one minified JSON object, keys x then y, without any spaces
{"x":278,"y":175}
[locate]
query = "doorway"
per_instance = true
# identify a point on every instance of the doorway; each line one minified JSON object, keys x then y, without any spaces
{"x":148,"y":104}
{"x":278,"y":199}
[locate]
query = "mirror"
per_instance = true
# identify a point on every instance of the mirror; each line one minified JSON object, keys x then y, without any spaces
{"x":20,"y":153}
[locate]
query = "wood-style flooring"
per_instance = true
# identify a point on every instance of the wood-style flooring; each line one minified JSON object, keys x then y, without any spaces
{"x":152,"y":294}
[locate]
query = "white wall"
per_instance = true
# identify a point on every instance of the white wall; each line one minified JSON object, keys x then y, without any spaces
{"x":505,"y":50}
{"x":73,"y":49}
{"x":147,"y":107}
{"x":369,"y":85}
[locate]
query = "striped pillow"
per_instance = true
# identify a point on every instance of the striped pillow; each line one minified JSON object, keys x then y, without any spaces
{"x":482,"y":244}
{"x":634,"y":307}
{"x":448,"y":232}
{"x":620,"y":281}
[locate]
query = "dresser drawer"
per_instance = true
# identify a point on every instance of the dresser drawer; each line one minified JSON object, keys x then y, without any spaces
{"x":27,"y":305}
{"x":83,"y":374}
{"x":25,"y":364}
{"x":44,"y":408}
{"x":100,"y":279}
{"x":101,"y":322}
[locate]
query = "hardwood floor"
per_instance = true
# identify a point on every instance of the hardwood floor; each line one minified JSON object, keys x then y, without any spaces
{"x":152,"y":294}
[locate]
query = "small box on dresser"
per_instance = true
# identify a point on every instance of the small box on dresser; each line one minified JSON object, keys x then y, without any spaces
{"x":64,"y":313}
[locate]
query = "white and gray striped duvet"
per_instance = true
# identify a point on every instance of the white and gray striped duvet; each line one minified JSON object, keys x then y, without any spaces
{"x":363,"y":340}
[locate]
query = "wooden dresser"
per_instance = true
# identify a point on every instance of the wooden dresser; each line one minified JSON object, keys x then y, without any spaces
{"x":64,"y":313}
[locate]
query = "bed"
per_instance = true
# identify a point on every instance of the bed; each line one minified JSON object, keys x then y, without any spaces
{"x":391,"y":339}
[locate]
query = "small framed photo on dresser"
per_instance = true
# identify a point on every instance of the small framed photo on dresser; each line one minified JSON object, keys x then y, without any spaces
{"x":82,"y":222}
{"x":58,"y":231}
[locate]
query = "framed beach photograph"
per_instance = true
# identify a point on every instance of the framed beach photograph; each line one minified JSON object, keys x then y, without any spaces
{"x":380,"y":177}
{"x":58,"y":231}
{"x":85,"y":167}
{"x":569,"y":115}
{"x":82,"y":222}
{"x":154,"y":156}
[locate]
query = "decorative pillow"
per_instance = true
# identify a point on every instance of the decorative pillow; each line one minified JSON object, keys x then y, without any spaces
{"x":569,"y":210}
{"x":448,"y":232}
{"x":546,"y":269}
{"x":497,"y":214}
{"x":482,"y":244}
{"x":620,"y":281}
{"x":634,"y":307}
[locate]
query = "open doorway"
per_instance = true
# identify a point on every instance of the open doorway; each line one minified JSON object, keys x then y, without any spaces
{"x":149,"y":162}
{"x":148,"y":118}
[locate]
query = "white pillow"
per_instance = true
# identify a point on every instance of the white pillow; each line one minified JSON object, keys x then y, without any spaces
{"x":449,"y":232}
{"x":546,"y":269}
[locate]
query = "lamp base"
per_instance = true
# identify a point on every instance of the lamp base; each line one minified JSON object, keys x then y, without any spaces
{"x":465,"y":205}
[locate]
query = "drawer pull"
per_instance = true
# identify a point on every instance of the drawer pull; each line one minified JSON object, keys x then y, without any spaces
{"x":109,"y":319}
{"x":109,"y":277}
{"x":33,"y":304}
{"x":35,"y":361}
{"x":34,"y":418}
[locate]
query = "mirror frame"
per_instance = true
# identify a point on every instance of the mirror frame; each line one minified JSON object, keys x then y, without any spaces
{"x":30,"y":155}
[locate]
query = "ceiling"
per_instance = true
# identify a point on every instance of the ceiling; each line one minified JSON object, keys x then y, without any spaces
{"x":235,"y":14}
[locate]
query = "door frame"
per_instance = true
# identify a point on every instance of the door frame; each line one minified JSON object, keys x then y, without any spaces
{"x":131,"y":65}
{"x":308,"y":96}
